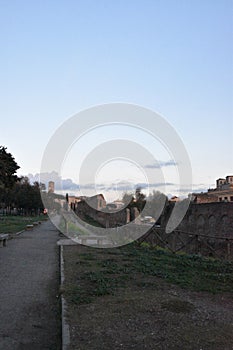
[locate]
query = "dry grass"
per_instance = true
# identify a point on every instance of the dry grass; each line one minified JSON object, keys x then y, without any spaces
{"x":131,"y":297}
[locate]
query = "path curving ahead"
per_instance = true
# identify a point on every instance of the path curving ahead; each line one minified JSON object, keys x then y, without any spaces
{"x":29,"y":287}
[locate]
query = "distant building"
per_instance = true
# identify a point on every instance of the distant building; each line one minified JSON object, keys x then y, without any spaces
{"x":119,"y":204}
{"x":225,"y":184}
{"x":147,"y":219}
{"x":51,"y":187}
{"x":224,"y":189}
{"x":222,"y":193}
{"x":98,"y":201}
{"x":74,"y":200}
{"x":115,"y":206}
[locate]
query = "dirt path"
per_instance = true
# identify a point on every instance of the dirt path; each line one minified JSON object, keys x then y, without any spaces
{"x":29,"y":283}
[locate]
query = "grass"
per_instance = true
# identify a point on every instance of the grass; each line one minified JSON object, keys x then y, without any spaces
{"x":14,"y":224}
{"x":75,"y":229}
{"x":72,"y":228}
{"x":89,"y":220}
{"x":98,"y":272}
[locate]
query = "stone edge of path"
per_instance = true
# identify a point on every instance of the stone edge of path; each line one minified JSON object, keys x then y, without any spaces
{"x":24,"y":230}
{"x":19,"y":233}
{"x":65,"y":326}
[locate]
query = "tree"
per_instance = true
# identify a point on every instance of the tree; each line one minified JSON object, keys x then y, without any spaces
{"x":155,"y":203}
{"x":140,"y":199}
{"x":8,"y":169}
{"x":25,"y":197}
{"x":128,"y":199}
{"x":17,"y":193}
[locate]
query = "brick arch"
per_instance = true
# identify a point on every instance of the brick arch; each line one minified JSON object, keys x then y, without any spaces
{"x":200,"y":220}
{"x":212,"y":221}
{"x":191,"y":219}
{"x":211,"y":229}
{"x":224,"y":224}
{"x":200,"y":223}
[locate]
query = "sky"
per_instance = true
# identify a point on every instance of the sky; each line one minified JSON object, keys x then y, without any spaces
{"x":174,"y":57}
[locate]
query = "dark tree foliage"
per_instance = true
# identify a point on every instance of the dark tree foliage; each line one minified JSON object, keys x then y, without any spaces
{"x":8,"y":169}
{"x":156,"y":202}
{"x":17,"y":193}
{"x":25,"y":197}
{"x":137,"y":200}
{"x":140,"y":199}
{"x":128,"y":199}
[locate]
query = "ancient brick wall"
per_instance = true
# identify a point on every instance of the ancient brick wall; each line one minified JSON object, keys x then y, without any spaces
{"x":105,"y":219}
{"x":206,"y":229}
{"x":214,"y":219}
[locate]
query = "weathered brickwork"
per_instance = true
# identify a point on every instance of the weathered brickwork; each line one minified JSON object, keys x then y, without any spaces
{"x":105,"y":219}
{"x":213,"y":219}
{"x":206,"y":229}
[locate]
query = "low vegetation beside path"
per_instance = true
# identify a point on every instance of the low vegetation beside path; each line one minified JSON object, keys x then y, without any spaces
{"x":12,"y":224}
{"x":143,"y":298}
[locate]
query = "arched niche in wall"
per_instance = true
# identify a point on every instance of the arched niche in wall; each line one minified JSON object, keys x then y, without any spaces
{"x":200,"y":224}
{"x":212,"y":225}
{"x":224,"y":225}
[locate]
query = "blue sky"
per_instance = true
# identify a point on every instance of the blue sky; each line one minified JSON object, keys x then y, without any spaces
{"x":174,"y":57}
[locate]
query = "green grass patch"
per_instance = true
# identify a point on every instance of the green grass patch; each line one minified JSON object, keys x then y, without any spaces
{"x":103,"y":272}
{"x":14,"y":224}
{"x":72,"y":228}
{"x":89,"y":220}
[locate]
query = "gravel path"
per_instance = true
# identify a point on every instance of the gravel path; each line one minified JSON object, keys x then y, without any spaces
{"x":29,"y":284}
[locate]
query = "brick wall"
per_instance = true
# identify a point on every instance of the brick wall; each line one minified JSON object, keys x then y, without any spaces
{"x":207,"y":218}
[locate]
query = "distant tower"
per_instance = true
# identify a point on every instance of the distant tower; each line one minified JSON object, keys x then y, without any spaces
{"x":51,"y":187}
